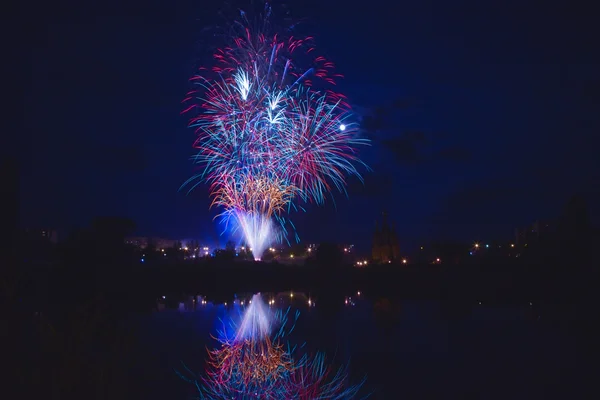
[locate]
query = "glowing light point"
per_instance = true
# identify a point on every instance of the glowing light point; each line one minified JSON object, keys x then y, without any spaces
{"x":342,"y":127}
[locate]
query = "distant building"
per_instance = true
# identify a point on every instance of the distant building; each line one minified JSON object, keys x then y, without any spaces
{"x":532,"y":233}
{"x":143,"y":242}
{"x":385,"y":242}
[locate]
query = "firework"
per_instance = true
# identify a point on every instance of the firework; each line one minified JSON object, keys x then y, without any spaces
{"x":253,"y":362}
{"x":271,"y":134}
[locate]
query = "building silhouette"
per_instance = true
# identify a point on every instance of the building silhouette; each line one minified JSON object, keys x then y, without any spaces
{"x":160,"y":243}
{"x":385,"y":242}
{"x":532,"y":233}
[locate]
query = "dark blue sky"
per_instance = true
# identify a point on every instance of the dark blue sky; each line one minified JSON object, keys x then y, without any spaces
{"x":491,"y":114}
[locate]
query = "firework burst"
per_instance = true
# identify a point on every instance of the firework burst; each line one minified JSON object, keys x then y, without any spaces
{"x":271,"y":134}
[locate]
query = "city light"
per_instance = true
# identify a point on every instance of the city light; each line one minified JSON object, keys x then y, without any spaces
{"x":404,"y":261}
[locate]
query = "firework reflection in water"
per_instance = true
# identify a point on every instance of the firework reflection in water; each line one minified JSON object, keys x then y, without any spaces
{"x":256,"y":364}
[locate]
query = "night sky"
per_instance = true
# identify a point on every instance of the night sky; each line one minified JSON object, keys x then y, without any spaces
{"x":490,"y":115}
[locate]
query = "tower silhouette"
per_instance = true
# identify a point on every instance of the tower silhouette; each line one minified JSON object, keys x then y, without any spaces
{"x":385,"y":242}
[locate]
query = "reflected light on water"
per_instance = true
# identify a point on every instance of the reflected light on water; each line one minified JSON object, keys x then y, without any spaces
{"x":256,"y":322}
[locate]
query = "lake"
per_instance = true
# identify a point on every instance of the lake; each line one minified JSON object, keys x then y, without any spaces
{"x":406,"y":349}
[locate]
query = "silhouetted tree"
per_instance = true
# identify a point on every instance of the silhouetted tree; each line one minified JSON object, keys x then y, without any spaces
{"x":112,"y":229}
{"x":102,"y":243}
{"x":298,"y":249}
{"x":329,"y":255}
{"x":575,"y":233}
{"x":224,"y":255}
{"x":575,"y":219}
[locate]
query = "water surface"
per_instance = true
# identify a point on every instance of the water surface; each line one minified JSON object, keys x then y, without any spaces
{"x":406,"y":349}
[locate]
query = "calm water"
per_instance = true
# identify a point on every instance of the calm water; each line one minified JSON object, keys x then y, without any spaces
{"x":414,"y":350}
